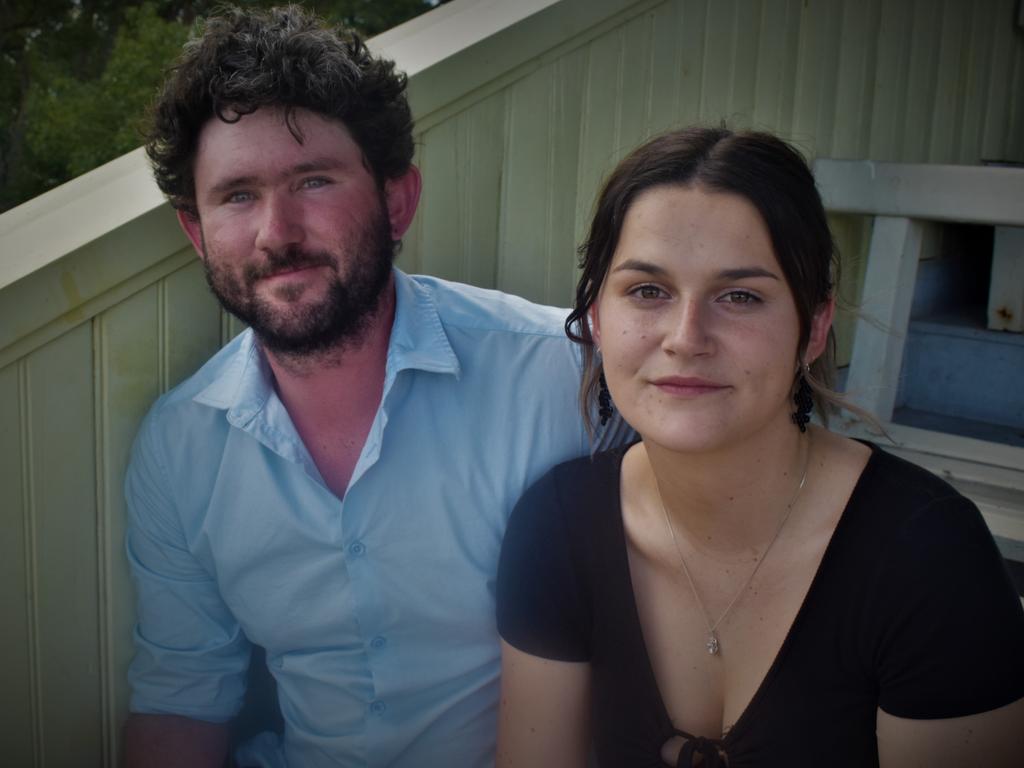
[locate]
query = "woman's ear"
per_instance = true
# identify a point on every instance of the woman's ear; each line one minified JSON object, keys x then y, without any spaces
{"x":595,"y":324}
{"x":820,"y":325}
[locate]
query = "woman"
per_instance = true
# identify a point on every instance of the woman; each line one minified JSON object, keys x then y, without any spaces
{"x":739,"y":588}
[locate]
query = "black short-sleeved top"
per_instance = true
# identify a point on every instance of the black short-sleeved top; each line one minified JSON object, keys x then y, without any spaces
{"x":911,"y":610}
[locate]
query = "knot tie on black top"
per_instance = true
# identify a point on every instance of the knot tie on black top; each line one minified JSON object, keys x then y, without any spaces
{"x":712,"y":754}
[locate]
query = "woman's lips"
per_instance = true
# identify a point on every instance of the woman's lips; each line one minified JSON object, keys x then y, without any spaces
{"x":688,"y":386}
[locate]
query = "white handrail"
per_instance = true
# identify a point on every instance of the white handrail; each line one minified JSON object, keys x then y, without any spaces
{"x":975,"y":194}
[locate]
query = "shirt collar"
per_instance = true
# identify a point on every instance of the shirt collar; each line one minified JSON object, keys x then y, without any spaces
{"x":418,"y":341}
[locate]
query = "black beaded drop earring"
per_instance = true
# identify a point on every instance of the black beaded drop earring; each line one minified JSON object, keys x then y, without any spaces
{"x":803,"y":399}
{"x":604,"y":400}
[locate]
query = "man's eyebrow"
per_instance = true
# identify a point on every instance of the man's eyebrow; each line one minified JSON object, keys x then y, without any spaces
{"x":318,"y":164}
{"x":231,"y":183}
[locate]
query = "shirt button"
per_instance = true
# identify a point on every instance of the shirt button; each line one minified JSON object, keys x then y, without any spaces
{"x":357,"y":548}
{"x":378,"y":642}
{"x":378,"y":707}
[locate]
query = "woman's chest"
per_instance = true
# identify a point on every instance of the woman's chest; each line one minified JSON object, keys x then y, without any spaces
{"x":789,"y":678}
{"x":712,"y":638}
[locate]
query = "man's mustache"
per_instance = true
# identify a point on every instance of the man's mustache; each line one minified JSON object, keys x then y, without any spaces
{"x":287,"y":261}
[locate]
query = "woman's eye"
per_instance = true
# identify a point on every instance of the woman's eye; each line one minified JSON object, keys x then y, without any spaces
{"x":647,"y":292}
{"x":739,"y":297}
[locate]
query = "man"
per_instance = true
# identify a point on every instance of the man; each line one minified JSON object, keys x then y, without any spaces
{"x":333,"y":485}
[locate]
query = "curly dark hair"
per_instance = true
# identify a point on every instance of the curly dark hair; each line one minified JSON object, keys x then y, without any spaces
{"x":242,"y":60}
{"x":766,"y":171}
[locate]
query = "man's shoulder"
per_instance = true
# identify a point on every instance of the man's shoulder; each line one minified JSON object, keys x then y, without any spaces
{"x":215,"y":380}
{"x":472,"y":308}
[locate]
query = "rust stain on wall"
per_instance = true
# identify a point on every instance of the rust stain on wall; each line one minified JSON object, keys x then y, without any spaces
{"x":73,"y":296}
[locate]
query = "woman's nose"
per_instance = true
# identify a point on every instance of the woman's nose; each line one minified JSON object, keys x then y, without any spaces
{"x":689,"y":332}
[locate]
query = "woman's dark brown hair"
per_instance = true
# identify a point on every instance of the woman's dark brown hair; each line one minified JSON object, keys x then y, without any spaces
{"x":759,"y":167}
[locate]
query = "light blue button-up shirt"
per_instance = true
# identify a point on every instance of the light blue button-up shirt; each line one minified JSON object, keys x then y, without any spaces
{"x":376,"y":612}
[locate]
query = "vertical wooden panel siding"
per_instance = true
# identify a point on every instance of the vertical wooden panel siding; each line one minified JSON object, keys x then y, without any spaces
{"x":906,"y":80}
{"x":19,"y":694}
{"x":69,"y":411}
{"x":64,"y":516}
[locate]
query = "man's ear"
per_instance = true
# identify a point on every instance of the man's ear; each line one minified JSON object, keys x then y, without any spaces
{"x":402,"y":195}
{"x":820,"y":325}
{"x":190,"y":223}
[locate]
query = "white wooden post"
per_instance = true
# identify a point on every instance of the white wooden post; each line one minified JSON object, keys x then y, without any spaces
{"x":1006,"y":288}
{"x":905,"y":199}
{"x":884,"y":314}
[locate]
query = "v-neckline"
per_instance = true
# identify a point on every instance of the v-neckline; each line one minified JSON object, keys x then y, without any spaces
{"x":773,"y":670}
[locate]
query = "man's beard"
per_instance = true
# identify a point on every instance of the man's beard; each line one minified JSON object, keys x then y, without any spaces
{"x":308,"y":330}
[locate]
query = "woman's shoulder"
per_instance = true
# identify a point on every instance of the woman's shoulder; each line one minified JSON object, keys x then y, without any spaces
{"x":578,"y":483}
{"x":571,"y":507}
{"x":935,"y":583}
{"x":895,"y":494}
{"x":559,"y":534}
{"x":912,"y":526}
{"x":923,"y":537}
{"x":887,"y":473}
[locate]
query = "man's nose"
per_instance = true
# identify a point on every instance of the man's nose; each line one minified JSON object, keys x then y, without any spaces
{"x":280,"y":223}
{"x":690,"y":332}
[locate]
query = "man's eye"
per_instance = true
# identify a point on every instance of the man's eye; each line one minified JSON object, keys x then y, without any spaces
{"x":239,"y":197}
{"x":317,"y":181}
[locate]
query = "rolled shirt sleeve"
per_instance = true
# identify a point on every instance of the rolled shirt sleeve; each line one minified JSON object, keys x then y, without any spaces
{"x":191,"y":655}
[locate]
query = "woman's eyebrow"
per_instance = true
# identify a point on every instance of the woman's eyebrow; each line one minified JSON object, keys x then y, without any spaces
{"x":735,"y":273}
{"x":739,"y":273}
{"x":636,"y":265}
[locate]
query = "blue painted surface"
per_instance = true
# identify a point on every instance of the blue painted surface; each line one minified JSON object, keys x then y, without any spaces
{"x":958,"y":376}
{"x":953,"y":366}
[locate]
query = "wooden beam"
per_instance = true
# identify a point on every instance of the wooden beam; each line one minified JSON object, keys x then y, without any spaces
{"x":968,"y":193}
{"x":885,"y":311}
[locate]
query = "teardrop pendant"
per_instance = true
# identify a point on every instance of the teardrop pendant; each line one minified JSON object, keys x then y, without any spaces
{"x":712,"y":643}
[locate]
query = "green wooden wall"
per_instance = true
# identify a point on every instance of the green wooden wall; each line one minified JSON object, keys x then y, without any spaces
{"x":510,"y":179}
{"x":510,"y":167}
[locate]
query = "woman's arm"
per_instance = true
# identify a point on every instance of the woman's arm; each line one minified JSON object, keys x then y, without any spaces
{"x":993,"y":739}
{"x":544,"y":717}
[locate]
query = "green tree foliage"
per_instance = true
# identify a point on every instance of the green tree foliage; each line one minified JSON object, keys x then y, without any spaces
{"x":76,"y":76}
{"x":77,"y":124}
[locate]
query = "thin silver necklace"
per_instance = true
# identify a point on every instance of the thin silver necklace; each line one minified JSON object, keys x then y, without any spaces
{"x":713,"y":644}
